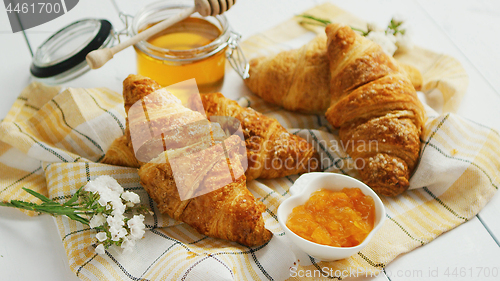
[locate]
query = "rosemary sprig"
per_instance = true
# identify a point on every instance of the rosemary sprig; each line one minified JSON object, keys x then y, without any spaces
{"x":325,"y":22}
{"x":316,"y":20}
{"x":48,"y":206}
{"x":103,"y":205}
{"x":393,"y":28}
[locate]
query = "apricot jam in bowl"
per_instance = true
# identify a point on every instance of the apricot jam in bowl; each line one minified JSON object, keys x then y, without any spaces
{"x":331,"y":216}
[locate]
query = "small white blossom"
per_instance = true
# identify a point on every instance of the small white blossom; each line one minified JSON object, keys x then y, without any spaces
{"x":386,"y":41}
{"x":91,"y":186}
{"x":398,"y":18}
{"x":128,"y":244}
{"x":115,"y":221}
{"x":136,"y":226}
{"x":403,"y":41}
{"x":101,"y":236}
{"x":110,"y":183}
{"x":97,"y":220}
{"x":102,"y":183}
{"x":107,"y":195}
{"x":100,"y":249}
{"x":104,"y":198}
{"x":131,"y":197}
{"x":117,"y":233}
{"x":118,"y":207}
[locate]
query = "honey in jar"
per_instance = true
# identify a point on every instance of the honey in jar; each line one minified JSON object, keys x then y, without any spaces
{"x":335,"y":218}
{"x":192,"y":48}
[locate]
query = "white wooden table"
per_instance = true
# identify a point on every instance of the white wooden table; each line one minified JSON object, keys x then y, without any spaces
{"x":30,"y":247}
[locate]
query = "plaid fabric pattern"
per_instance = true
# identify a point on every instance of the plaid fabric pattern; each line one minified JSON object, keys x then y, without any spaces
{"x":52,"y":141}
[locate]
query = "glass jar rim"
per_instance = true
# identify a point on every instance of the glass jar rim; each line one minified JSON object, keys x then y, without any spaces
{"x":61,"y":57}
{"x":198,"y":53}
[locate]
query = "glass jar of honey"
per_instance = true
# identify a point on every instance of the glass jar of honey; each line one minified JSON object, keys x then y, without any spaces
{"x":193,"y":48}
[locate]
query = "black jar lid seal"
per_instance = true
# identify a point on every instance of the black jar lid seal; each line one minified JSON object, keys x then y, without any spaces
{"x":68,"y":47}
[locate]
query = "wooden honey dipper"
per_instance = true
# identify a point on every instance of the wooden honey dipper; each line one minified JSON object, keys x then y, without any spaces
{"x":98,"y":58}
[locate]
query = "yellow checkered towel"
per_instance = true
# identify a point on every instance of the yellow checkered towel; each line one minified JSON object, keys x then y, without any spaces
{"x":52,"y":141}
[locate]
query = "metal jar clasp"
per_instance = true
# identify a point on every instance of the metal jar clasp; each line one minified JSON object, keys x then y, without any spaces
{"x":235,"y":56}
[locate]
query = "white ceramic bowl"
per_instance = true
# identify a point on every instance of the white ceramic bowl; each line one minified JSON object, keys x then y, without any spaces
{"x":301,"y":191}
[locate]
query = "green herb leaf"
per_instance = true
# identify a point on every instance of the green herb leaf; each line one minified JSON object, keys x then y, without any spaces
{"x":37,"y":195}
{"x":74,"y":197}
{"x":76,"y":217}
{"x":319,"y":21}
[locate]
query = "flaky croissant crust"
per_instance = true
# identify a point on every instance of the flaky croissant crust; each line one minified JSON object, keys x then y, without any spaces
{"x":272,"y":151}
{"x":228,"y":212}
{"x":373,"y":101}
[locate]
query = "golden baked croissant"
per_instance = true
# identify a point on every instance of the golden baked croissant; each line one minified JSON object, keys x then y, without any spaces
{"x":121,"y":154}
{"x":193,"y":179}
{"x":298,"y":80}
{"x":272,"y":152}
{"x":230,"y":212}
{"x":377,"y":109}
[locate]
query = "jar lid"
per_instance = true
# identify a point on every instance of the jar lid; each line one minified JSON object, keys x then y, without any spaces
{"x":62,"y":56}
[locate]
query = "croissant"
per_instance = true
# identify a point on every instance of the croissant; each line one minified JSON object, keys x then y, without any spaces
{"x":272,"y":152}
{"x":195,"y":175}
{"x":121,"y":154}
{"x":230,"y":212}
{"x":373,"y":102}
{"x":298,"y":80}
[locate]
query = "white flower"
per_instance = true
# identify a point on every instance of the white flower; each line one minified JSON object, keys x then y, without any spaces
{"x":131,"y":197}
{"x":118,"y":207}
{"x":102,"y":183}
{"x":115,"y":221}
{"x":107,"y":188}
{"x":116,"y":227}
{"x":97,"y":220}
{"x":91,"y":186}
{"x":398,"y":18}
{"x":110,"y":183}
{"x":403,"y":41}
{"x":117,"y":233}
{"x":100,"y":249}
{"x":136,"y":226}
{"x":107,"y":195}
{"x":386,"y":41}
{"x":128,"y":244}
{"x":104,"y":197}
{"x":101,"y":236}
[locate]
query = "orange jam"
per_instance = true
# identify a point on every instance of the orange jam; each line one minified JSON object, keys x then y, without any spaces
{"x":335,"y":218}
{"x":187,"y":35}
